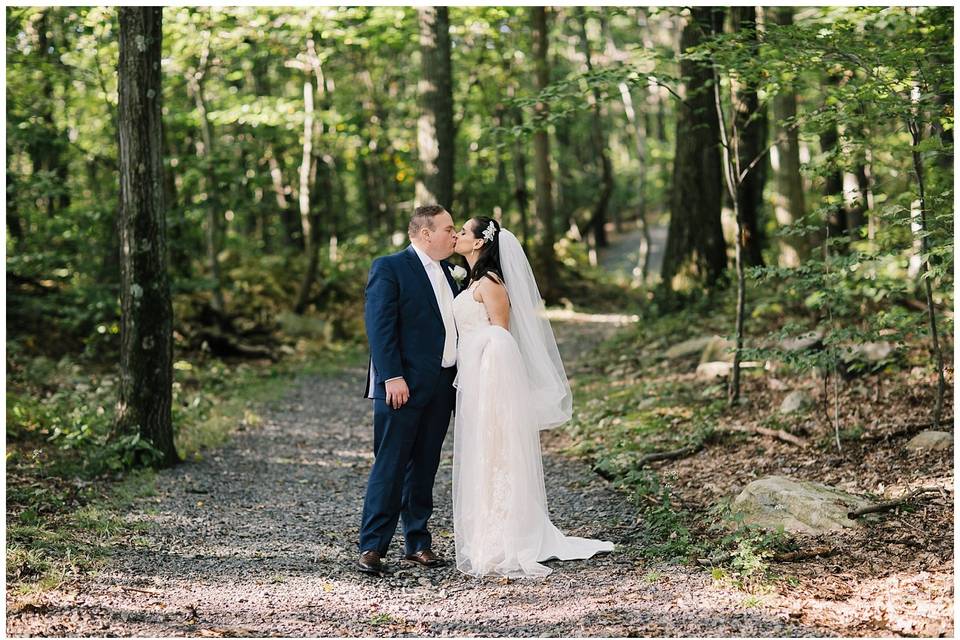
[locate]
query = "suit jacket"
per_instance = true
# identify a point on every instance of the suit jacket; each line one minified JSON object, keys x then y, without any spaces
{"x":404,"y":326}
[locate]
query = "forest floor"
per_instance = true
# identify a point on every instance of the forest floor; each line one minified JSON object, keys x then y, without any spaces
{"x":259,"y":538}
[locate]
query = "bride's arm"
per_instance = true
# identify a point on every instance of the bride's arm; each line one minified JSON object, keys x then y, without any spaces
{"x":494,"y":298}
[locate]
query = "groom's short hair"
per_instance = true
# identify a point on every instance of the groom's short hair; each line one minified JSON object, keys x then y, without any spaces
{"x":423,"y":217}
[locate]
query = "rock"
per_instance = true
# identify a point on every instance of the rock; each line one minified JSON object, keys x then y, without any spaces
{"x":688,"y":347}
{"x":775,"y":384}
{"x":797,"y":400}
{"x":866,"y":357}
{"x":718,"y":350}
{"x":712,"y":370}
{"x":798,"y":506}
{"x":930,"y":441}
{"x":809,"y":340}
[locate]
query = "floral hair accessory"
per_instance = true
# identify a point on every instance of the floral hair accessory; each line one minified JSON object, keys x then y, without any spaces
{"x":489,"y":232}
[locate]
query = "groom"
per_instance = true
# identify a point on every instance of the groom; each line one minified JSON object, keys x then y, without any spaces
{"x":413,"y":353}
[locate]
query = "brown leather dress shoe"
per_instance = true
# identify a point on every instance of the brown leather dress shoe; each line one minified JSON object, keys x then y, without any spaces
{"x":426,"y":558}
{"x":370,"y":563}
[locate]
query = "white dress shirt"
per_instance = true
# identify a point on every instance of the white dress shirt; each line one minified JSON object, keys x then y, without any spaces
{"x":444,"y":296}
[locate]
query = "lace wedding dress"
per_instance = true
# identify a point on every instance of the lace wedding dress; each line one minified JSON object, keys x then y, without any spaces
{"x":500,"y":520}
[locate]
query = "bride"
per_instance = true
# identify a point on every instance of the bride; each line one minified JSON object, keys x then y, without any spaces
{"x":510,"y":385}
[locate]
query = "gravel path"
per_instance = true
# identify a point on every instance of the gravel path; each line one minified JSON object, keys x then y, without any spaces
{"x":259,"y":538}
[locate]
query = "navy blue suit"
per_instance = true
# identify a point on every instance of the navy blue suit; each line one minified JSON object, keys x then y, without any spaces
{"x":406,"y":334}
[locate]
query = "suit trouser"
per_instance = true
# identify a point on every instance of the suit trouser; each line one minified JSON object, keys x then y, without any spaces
{"x":406,"y":445}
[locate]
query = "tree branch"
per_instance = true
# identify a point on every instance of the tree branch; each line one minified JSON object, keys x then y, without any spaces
{"x":892,"y":504}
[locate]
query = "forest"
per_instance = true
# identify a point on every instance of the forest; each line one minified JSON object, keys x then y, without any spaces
{"x":740,"y":219}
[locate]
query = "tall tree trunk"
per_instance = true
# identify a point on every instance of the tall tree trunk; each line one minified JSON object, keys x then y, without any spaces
{"x":695,"y":236}
{"x":541,"y":158}
{"x":309,"y":168}
{"x":915,"y":127}
{"x":733,"y":175}
{"x":518,"y":157}
{"x":435,"y":125}
{"x":789,"y":204}
{"x":833,"y":184}
{"x":308,"y":221}
{"x":379,"y":187}
{"x":14,"y":221}
{"x":856,"y":184}
{"x":146,"y":336}
{"x":855,"y":199}
{"x":599,"y":220}
{"x":214,"y":208}
{"x":752,"y":125}
{"x":564,"y":157}
{"x":638,"y":127}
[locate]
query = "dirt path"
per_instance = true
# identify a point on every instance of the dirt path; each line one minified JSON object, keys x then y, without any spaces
{"x":623,"y":254}
{"x":260,"y":538}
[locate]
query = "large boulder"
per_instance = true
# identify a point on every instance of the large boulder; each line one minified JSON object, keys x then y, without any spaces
{"x":687,"y":348}
{"x":797,"y":505}
{"x":930,"y":441}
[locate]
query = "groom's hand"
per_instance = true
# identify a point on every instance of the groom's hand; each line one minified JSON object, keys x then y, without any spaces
{"x":397,"y":393}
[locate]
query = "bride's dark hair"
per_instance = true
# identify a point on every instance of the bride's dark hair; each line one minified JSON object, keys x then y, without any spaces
{"x":489,"y":261}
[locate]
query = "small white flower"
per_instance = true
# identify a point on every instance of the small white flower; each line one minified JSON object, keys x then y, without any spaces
{"x":458,"y":273}
{"x":489,"y":232}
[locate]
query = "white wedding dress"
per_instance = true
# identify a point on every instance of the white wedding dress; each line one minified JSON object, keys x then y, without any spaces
{"x":500,"y":520}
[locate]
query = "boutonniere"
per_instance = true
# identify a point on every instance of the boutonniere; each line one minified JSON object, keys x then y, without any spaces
{"x":458,"y":274}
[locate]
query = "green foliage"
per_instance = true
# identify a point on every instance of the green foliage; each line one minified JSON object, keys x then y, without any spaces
{"x":63,"y":530}
{"x":740,"y":552}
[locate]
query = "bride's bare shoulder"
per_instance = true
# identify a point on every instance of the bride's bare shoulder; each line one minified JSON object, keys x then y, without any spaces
{"x":493,"y":283}
{"x":492,"y":289}
{"x":492,"y":278}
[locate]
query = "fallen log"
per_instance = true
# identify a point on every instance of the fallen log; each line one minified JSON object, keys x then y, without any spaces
{"x":804,"y":554}
{"x":763,"y":431}
{"x":791,"y":556}
{"x":892,"y":504}
{"x":682,"y":452}
{"x":222,"y":344}
{"x":656,"y":456}
{"x":903,"y":431}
